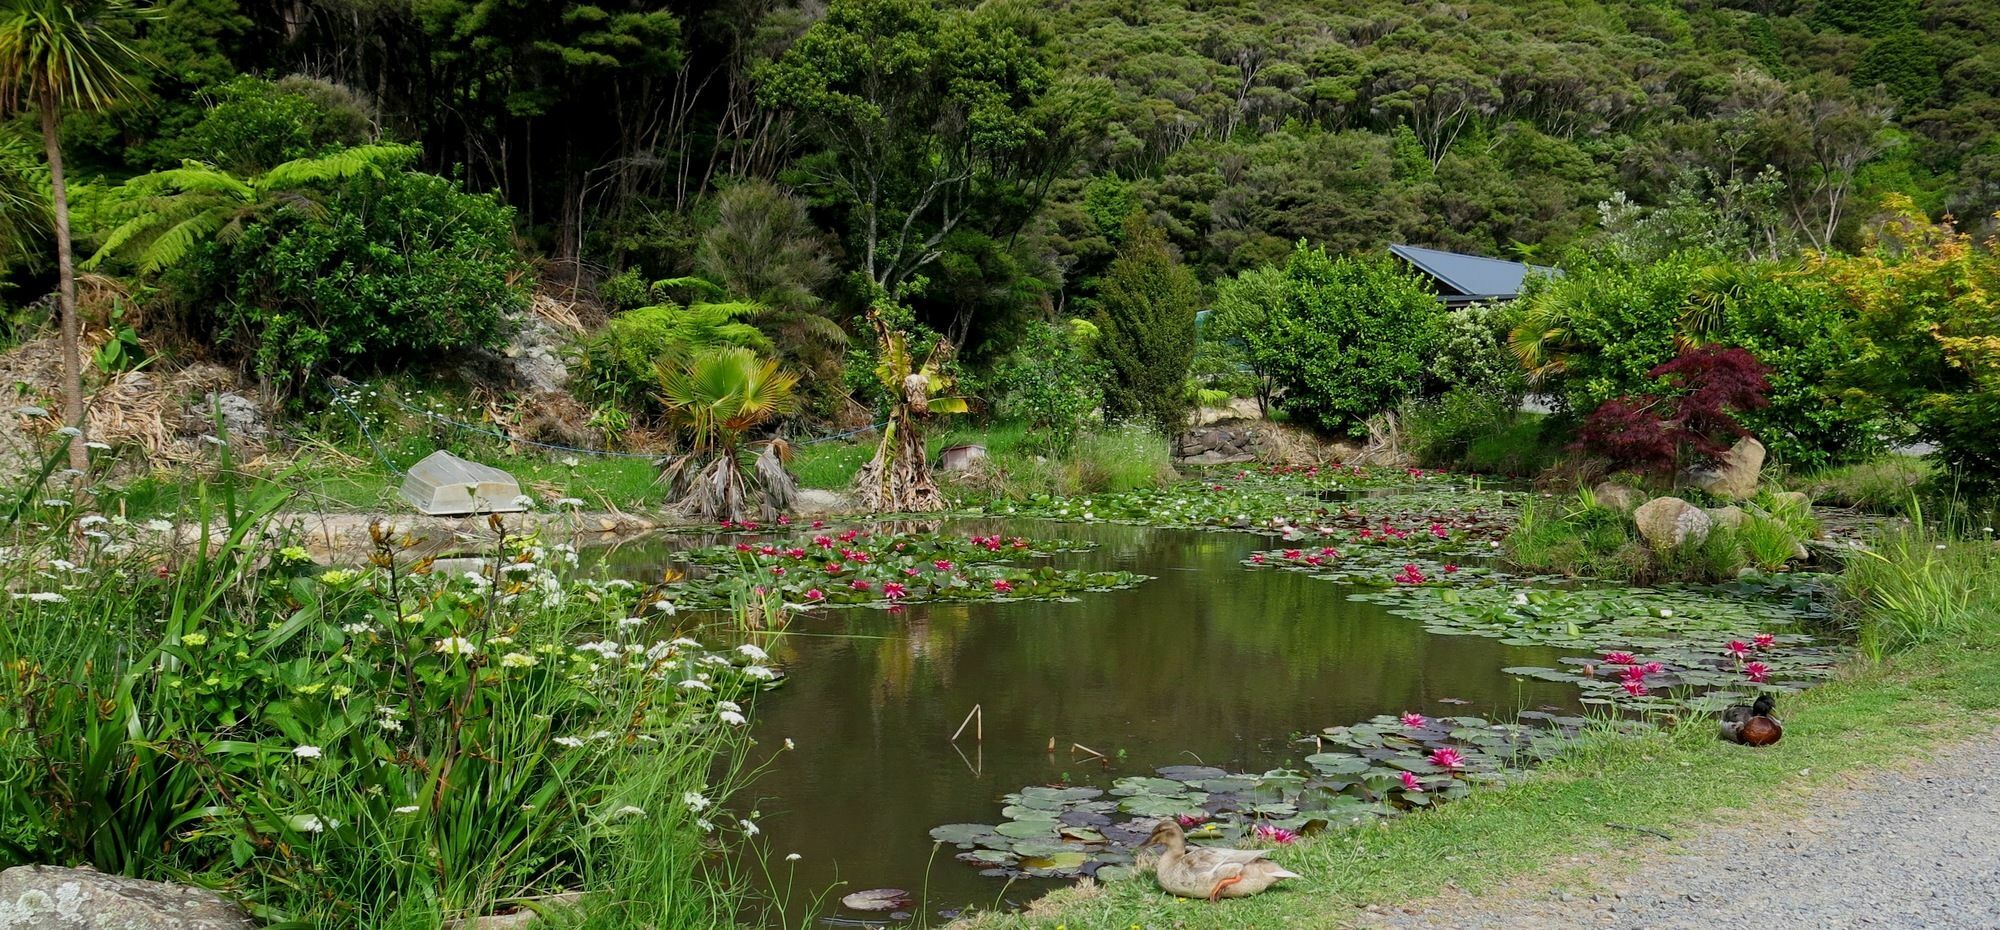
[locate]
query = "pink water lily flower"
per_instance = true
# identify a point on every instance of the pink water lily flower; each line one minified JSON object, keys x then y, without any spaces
{"x":784,"y":520}
{"x":778,"y":570}
{"x":743,"y":547}
{"x":1411,"y":784}
{"x":1451,"y":568}
{"x":1619,"y":658}
{"x":861,"y":584}
{"x":1447,"y":758}
{"x":824,"y":542}
{"x":1190,"y":821}
{"x":1635,"y":687}
{"x":815,"y":594}
{"x":943,"y":565}
{"x":1273,"y":834}
{"x":1257,"y":557}
{"x":1438,"y":530}
{"x":1738,"y":648}
{"x":1002,"y":585}
{"x":1413,"y":720}
{"x":1758,"y":672}
{"x":1764,"y":640}
{"x":1294,"y":554}
{"x":912,"y":571}
{"x":819,"y":524}
{"x":894,"y":591}
{"x":1654,"y":668}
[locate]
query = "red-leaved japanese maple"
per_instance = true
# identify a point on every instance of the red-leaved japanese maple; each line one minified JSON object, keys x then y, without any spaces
{"x":1695,"y":423}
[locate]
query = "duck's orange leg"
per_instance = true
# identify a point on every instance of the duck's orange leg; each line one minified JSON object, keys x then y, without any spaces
{"x":1215,"y":894}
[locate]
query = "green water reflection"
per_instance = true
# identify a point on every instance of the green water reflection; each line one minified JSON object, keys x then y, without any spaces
{"x":1207,"y":663}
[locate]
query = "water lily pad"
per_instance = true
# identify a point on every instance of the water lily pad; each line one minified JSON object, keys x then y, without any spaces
{"x":1055,"y":862}
{"x":1337,"y":763}
{"x":963,"y":834}
{"x":1026,"y":829}
{"x":878,"y":899}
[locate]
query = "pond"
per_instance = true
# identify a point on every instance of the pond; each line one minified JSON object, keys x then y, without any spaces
{"x":1207,"y":663}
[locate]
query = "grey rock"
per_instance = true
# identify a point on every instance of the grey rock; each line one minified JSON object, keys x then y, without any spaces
{"x":243,"y":417}
{"x":1730,"y":517}
{"x":41,"y":897}
{"x":962,"y":459}
{"x":1621,"y":497}
{"x":1666,"y":522}
{"x":818,"y":502}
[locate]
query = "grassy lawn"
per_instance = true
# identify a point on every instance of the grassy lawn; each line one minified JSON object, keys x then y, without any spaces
{"x":1680,"y":777}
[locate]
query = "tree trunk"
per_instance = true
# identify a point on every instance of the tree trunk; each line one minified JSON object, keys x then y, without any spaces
{"x":72,"y":329}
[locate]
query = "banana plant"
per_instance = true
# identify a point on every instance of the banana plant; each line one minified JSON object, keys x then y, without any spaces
{"x":898,"y":479}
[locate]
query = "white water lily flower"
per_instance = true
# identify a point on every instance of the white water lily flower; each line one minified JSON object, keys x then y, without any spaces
{"x":306,"y":752}
{"x":753,"y":653}
{"x":732,"y":718}
{"x":695,"y":801}
{"x":1666,"y":611}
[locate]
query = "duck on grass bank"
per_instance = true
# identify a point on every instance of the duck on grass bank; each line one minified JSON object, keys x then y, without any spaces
{"x":1752,"y":724}
{"x":1209,"y":871}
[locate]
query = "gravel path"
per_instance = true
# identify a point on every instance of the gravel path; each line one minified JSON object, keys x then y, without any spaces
{"x":1912,"y":849}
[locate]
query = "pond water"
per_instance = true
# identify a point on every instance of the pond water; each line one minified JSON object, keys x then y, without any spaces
{"x":1207,"y":663}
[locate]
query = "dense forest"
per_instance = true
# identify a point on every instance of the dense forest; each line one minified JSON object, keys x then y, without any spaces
{"x":981,"y":159}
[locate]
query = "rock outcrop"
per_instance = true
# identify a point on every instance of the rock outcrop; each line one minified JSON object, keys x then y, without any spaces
{"x":42,"y":897}
{"x":1735,"y":476}
{"x":1668,"y":522}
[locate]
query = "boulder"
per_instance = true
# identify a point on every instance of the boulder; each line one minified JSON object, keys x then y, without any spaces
{"x":1730,"y":517}
{"x":1620,"y":497}
{"x":42,"y":897}
{"x":1735,"y":476}
{"x":1226,"y":442}
{"x":1667,"y":522}
{"x":818,"y":502}
{"x":1796,"y":500}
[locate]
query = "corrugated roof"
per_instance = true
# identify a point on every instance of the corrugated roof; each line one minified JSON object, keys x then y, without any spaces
{"x":1470,"y":275}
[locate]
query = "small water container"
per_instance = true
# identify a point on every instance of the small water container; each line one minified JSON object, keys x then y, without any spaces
{"x":445,"y":485}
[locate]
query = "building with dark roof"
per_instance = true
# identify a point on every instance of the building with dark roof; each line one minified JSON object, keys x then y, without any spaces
{"x":1464,"y":279}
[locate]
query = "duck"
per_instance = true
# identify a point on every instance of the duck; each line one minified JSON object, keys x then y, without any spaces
{"x":1752,"y":724}
{"x":1212,"y":872}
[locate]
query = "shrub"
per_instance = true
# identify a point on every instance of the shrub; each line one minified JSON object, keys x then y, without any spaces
{"x":1053,"y":382}
{"x":1693,"y":425}
{"x":1471,"y":355}
{"x":621,"y":362}
{"x":1146,"y":307}
{"x":1343,"y":338}
{"x":399,"y":269}
{"x":253,"y":124}
{"x":1441,"y":431}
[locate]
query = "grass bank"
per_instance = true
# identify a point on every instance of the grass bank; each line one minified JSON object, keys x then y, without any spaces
{"x":1878,"y":714}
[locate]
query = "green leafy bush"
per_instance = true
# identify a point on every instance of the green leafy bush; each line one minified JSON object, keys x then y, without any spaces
{"x":1053,"y":382}
{"x":621,"y":362}
{"x":1343,"y":338}
{"x":404,"y":268}
{"x":253,"y":124}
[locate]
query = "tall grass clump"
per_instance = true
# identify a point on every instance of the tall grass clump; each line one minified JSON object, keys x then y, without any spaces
{"x":1921,"y":584}
{"x":380,"y":746}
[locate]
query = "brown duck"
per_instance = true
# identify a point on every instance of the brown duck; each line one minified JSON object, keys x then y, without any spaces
{"x":1752,"y":724}
{"x":1209,"y":871}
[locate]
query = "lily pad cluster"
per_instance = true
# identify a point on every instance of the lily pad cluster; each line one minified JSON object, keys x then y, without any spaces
{"x":1357,"y":773}
{"x":1297,"y":503}
{"x":1639,"y":648}
{"x":861,"y":566}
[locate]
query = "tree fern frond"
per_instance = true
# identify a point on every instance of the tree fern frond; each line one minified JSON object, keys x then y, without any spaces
{"x":174,"y":244}
{"x":338,"y":166}
{"x":698,"y":285}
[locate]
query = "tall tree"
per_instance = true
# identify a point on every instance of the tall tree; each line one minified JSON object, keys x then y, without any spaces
{"x":58,"y":55}
{"x":1146,"y":307}
{"x":924,"y":116}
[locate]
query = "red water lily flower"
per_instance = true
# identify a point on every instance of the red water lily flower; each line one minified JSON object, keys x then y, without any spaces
{"x":819,"y":524}
{"x":796,"y":552}
{"x":784,"y":520}
{"x":815,"y":594}
{"x":743,"y":547}
{"x":834,"y":568}
{"x":1634,"y":687}
{"x":861,"y":584}
{"x":1738,"y":648}
{"x":1413,"y":720}
{"x":1447,"y":758}
{"x":1438,"y":530}
{"x":824,"y":542}
{"x":1758,"y":672}
{"x":894,"y":591}
{"x":1411,"y":784}
{"x":1294,"y":554}
{"x":1257,"y":557}
{"x":778,"y":570}
{"x":943,"y":565}
{"x":1764,"y":640}
{"x":849,"y":535}
{"x":767,"y":550}
{"x":726,"y":524}
{"x":1189,"y":821}
{"x":1002,"y":585}
{"x":1619,"y":658}
{"x":912,"y":571}
{"x":1450,"y":568}
{"x":1411,"y":574}
{"x":1654,"y":668}
{"x":1279,"y":835}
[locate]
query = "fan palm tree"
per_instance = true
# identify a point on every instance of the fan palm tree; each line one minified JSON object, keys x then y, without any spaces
{"x":716,"y":397}
{"x":58,"y":55}
{"x":179,"y":208}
